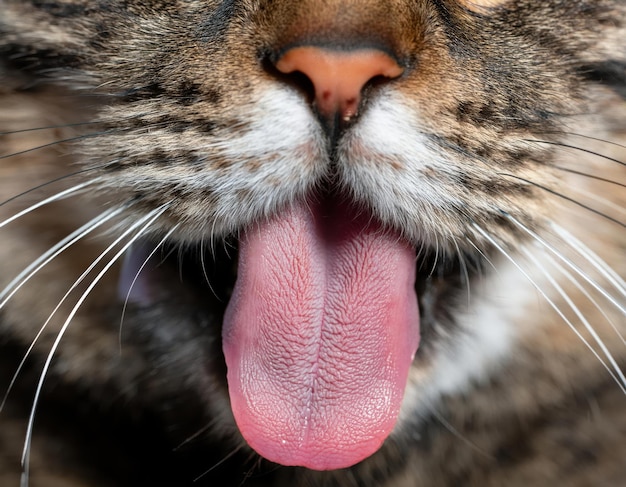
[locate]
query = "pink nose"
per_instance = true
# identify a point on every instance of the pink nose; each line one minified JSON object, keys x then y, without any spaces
{"x":338,"y":77}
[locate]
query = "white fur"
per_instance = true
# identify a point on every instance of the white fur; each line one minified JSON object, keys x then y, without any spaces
{"x":390,"y":162}
{"x":489,"y":331}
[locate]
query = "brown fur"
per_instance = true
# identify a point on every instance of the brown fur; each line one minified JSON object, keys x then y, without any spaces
{"x":169,"y":86}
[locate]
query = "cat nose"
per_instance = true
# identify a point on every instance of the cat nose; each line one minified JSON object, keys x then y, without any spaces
{"x":339,"y":76}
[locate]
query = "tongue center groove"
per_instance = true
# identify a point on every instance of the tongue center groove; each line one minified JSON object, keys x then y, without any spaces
{"x":334,"y":277}
{"x":320,"y":254}
{"x":319,"y":335}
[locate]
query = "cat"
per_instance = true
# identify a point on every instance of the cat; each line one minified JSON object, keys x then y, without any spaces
{"x":313,"y":243}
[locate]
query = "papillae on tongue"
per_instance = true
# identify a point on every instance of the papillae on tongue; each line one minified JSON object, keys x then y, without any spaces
{"x":319,"y":335}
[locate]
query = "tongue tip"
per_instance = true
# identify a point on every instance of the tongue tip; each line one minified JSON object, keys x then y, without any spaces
{"x":334,"y":444}
{"x":293,"y":455}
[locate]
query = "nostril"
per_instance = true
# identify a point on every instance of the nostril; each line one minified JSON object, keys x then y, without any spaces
{"x":338,"y":77}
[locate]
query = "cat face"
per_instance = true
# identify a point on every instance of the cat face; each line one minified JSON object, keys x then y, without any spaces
{"x":244,"y":142}
{"x":351,"y":236}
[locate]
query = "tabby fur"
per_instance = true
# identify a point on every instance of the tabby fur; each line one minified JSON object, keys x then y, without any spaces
{"x":506,"y":130}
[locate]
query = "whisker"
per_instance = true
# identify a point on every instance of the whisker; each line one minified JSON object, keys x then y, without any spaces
{"x":436,"y":259}
{"x":571,"y":278}
{"x":19,"y":281}
{"x":464,"y":271}
{"x":591,"y":176}
{"x":36,"y":266}
{"x":132,"y":284}
{"x":50,"y":127}
{"x":32,"y":269}
{"x":605,"y":270}
{"x":550,"y":302}
{"x":69,"y":291}
{"x":51,"y":181}
{"x":60,"y":195}
{"x":151,"y":218}
{"x":483,"y":255}
{"x":197,"y":434}
{"x":567,"y":198}
{"x":79,"y":124}
{"x":446,"y":424}
{"x":599,"y":199}
{"x":583,"y":320}
{"x":203,"y":265}
{"x":255,"y":461}
{"x":588,"y":137}
{"x":60,"y":141}
{"x":232,"y":453}
{"x":581,"y":149}
{"x":569,"y":264}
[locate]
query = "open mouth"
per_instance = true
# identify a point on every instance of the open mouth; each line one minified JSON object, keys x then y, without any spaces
{"x":321,"y":325}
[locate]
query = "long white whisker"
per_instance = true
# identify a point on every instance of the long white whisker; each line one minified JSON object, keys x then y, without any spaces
{"x":35,"y":267}
{"x":570,"y":277}
{"x":582,"y":319}
{"x":607,"y":272}
{"x":69,"y":291}
{"x":32,"y":269}
{"x":550,"y":302}
{"x":483,"y":255}
{"x":203,"y":264}
{"x":56,"y":197}
{"x":50,"y":182}
{"x":132,"y":284}
{"x":571,"y":265}
{"x":152,"y":217}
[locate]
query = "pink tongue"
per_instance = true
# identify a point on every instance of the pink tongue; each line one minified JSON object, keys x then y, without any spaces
{"x":319,"y":336}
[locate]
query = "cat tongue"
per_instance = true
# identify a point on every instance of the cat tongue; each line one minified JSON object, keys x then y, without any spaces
{"x":319,"y":336}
